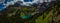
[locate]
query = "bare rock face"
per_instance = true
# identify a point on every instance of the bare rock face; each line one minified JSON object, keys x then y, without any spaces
{"x":16,"y":13}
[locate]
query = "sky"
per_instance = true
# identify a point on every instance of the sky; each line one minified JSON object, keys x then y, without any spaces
{"x":5,"y":3}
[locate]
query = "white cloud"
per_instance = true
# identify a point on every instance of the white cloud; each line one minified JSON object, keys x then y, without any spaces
{"x":26,"y":3}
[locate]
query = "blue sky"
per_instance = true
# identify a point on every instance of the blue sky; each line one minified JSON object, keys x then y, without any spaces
{"x":2,"y":4}
{"x":28,"y":0}
{"x":25,"y":2}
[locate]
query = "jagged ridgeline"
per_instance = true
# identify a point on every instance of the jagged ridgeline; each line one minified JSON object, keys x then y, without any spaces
{"x":50,"y":15}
